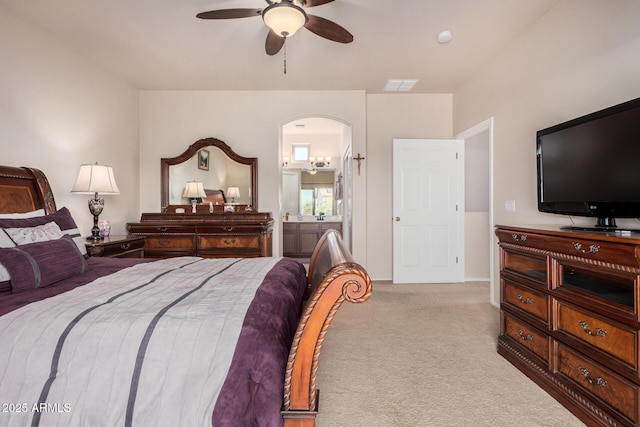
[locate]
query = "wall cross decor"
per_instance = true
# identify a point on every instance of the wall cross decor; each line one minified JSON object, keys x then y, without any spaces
{"x":359,"y":159}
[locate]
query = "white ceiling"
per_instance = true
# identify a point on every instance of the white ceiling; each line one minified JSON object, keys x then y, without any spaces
{"x":160,"y":44}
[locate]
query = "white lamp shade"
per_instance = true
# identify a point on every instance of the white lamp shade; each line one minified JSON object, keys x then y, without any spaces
{"x":284,"y":18}
{"x":233,"y":192}
{"x":95,"y":179}
{"x":194,"y":190}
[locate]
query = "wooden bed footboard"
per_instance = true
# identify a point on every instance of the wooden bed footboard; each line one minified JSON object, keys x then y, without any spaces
{"x":333,"y":278}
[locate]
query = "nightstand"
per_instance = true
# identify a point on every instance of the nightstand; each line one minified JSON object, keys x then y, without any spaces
{"x":117,"y":247}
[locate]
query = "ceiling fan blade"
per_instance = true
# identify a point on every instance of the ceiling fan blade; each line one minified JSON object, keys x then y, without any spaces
{"x":274,"y":43}
{"x":328,"y":29}
{"x":229,"y":13}
{"x":312,"y":3}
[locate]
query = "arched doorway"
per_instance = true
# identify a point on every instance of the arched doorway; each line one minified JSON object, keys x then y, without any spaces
{"x":316,"y":182}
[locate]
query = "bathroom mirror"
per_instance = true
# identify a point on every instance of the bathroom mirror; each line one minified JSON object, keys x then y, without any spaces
{"x":310,"y":192}
{"x":213,"y":163}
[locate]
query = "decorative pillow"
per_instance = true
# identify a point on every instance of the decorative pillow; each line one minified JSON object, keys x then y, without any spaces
{"x":41,"y":264}
{"x":62,"y":217}
{"x":39,"y":212}
{"x":39,"y":233}
{"x":5,"y":242}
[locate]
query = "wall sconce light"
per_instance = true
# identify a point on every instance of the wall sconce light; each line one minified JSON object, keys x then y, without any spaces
{"x":320,"y":162}
{"x":285,"y":162}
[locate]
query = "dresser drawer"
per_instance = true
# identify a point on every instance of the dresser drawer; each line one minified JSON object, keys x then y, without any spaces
{"x":527,"y":336}
{"x":229,"y":242}
{"x":599,"y":381}
{"x":534,"y":303}
{"x":531,"y":266}
{"x":612,"y":339}
{"x":575,"y":246}
{"x":171,"y":242}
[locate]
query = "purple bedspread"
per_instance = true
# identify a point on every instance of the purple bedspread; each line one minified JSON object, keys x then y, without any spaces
{"x":98,"y":267}
{"x":252,"y":392}
{"x":256,"y":375}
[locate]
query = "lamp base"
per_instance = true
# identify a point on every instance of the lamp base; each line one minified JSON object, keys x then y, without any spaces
{"x":96,"y":205}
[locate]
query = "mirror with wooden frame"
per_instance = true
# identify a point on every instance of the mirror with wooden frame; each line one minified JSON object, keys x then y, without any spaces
{"x":221,"y":171}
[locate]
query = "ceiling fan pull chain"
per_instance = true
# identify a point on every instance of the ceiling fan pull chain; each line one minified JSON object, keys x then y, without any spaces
{"x":285,"y":55}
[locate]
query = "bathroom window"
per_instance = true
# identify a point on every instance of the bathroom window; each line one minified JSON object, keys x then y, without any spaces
{"x":316,"y":200}
{"x":300,"y":152}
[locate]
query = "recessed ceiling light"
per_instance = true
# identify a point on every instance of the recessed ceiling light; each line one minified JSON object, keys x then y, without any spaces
{"x":400,"y":85}
{"x":445,"y":36}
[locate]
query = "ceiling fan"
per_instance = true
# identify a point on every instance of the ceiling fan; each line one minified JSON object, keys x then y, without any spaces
{"x":284,"y":18}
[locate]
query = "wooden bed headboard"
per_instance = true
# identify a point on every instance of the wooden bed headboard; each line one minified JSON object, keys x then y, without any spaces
{"x":24,"y":190}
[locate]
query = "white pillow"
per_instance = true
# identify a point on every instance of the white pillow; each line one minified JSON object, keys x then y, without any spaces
{"x":39,"y":212}
{"x":39,"y":233}
{"x":5,"y":242}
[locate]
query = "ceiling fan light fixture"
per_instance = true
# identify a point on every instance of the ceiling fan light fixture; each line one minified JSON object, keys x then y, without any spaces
{"x":284,"y":18}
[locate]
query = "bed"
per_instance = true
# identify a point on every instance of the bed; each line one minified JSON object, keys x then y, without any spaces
{"x":181,"y":341}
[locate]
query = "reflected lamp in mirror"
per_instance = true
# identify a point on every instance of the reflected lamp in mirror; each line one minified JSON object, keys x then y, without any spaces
{"x":194,"y":191}
{"x":233,"y":192}
{"x":95,"y":179}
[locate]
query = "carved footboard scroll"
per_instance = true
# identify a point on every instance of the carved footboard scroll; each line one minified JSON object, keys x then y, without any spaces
{"x":333,"y":278}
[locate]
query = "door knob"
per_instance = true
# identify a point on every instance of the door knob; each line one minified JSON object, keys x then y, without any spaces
{"x":397,"y":218}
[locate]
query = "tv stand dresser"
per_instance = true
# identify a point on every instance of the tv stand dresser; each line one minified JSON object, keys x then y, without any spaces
{"x":570,"y":317}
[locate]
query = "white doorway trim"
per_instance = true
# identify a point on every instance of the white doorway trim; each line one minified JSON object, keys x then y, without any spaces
{"x":487,"y":125}
{"x":358,"y":238}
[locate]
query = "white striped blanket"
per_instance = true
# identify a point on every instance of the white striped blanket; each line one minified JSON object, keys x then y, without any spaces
{"x":147,"y":346}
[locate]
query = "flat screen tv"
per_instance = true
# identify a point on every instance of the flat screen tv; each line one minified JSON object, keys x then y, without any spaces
{"x":590,"y":166}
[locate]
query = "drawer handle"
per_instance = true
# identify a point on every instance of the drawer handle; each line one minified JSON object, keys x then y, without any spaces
{"x":527,"y":337}
{"x":125,"y":246}
{"x":229,"y":242}
{"x":599,"y":381}
{"x":520,"y":238}
{"x":164,"y":242}
{"x":227,"y":228}
{"x":593,"y":249}
{"x":585,"y":327}
{"x":162,"y":229}
{"x":524,"y":301}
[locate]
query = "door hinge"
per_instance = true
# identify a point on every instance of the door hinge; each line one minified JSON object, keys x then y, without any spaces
{"x":456,"y":208}
{"x":456,"y":156}
{"x":456,"y":260}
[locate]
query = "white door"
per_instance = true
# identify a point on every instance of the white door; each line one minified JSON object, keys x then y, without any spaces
{"x":428,"y":211}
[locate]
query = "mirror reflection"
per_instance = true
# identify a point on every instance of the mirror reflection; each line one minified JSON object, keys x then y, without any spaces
{"x":209,"y":172}
{"x":311,"y":192}
{"x":218,"y":174}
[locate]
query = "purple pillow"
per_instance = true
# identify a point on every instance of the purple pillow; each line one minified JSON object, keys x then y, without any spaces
{"x":41,"y":264}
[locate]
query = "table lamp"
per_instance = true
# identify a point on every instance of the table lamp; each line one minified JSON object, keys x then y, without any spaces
{"x":233,"y":192}
{"x":95,"y":179}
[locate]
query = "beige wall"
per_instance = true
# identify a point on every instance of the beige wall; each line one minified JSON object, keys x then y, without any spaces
{"x":580,"y":57}
{"x":58,"y":111}
{"x":250,"y":123}
{"x":392,"y":116}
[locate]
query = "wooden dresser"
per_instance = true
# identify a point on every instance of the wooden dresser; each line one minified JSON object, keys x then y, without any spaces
{"x":570,"y":317}
{"x":217,"y":235}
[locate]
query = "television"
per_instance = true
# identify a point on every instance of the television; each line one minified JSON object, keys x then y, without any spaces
{"x":590,"y":166}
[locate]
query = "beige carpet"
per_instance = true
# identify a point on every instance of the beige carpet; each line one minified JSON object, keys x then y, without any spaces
{"x":425,"y":355}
